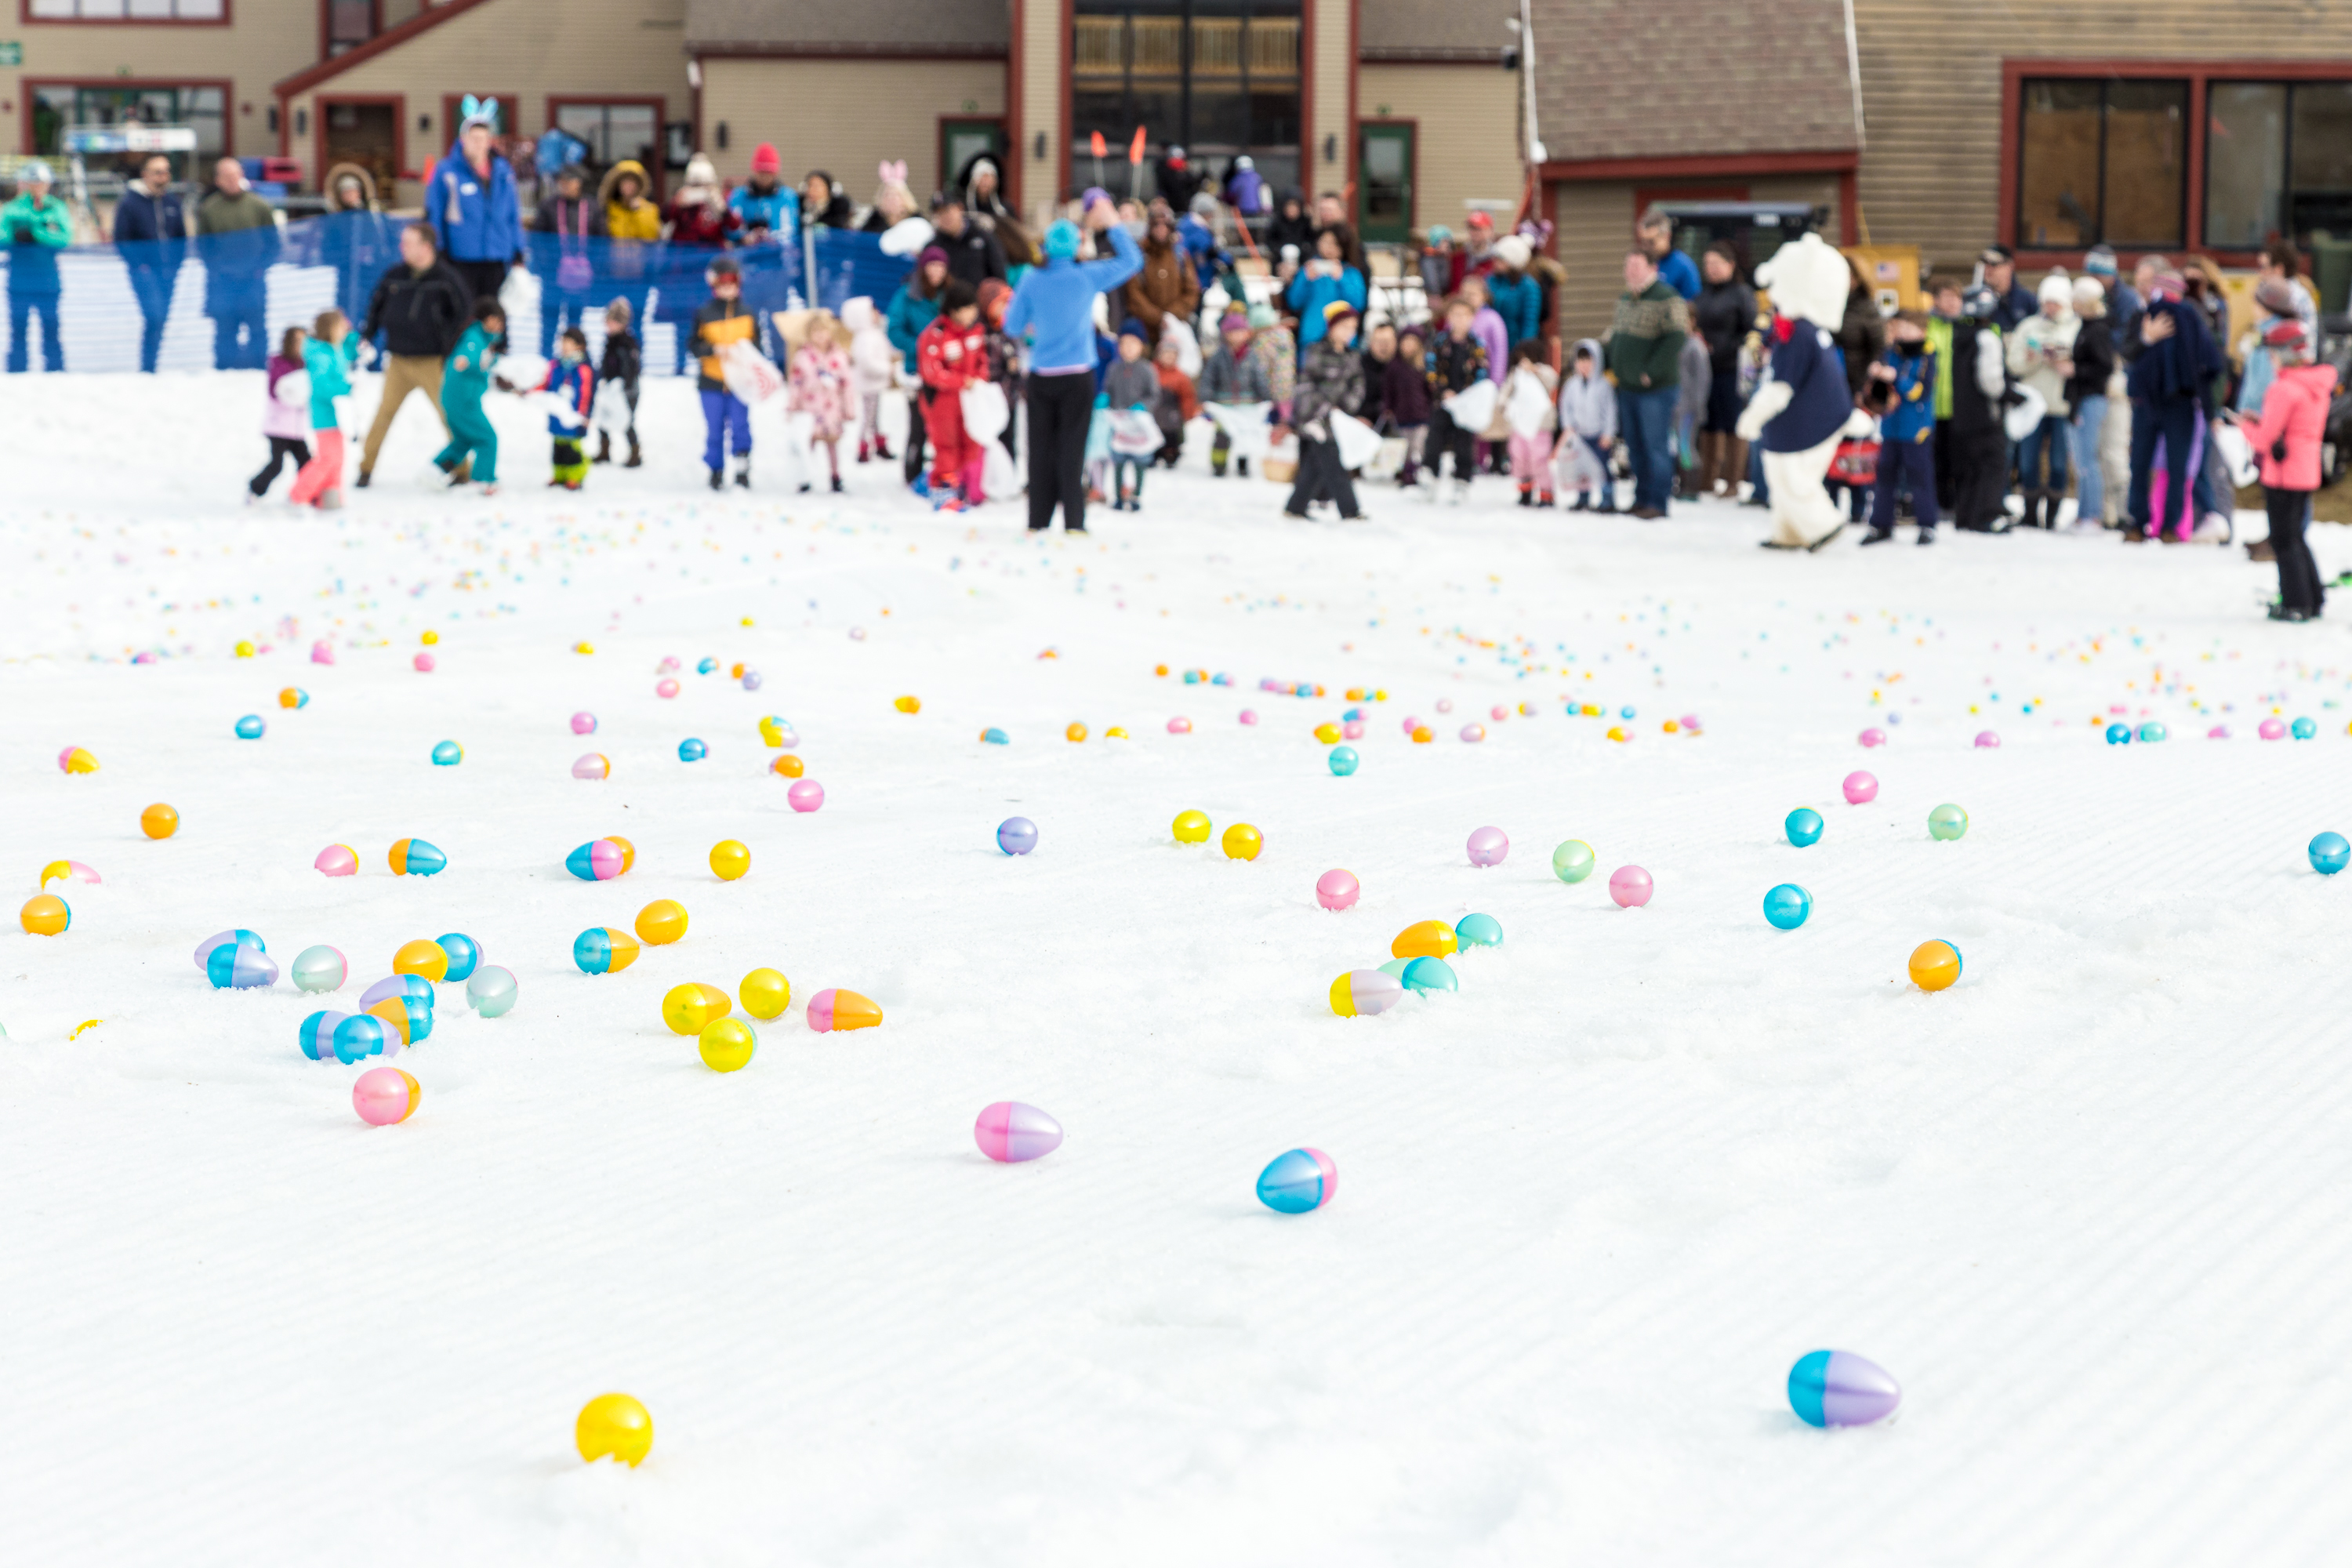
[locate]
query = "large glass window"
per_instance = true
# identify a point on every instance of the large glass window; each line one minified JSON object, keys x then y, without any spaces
{"x":1218,"y":77}
{"x":126,"y":10}
{"x":614,"y":131}
{"x":2278,"y":161}
{"x":201,"y":109}
{"x":2102,"y":161}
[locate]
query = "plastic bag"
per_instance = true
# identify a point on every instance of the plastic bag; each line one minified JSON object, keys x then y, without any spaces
{"x":1172,"y":330}
{"x":750,"y":375}
{"x":2025,"y":416}
{"x":293,"y":389}
{"x":1245,"y":425}
{"x":1134,"y":433}
{"x":613,"y":411}
{"x":2237,"y":453}
{"x":1358,"y":443}
{"x":1528,"y":408}
{"x":999,"y":476}
{"x":985,"y":411}
{"x":1473,"y":407}
{"x":907,"y":237}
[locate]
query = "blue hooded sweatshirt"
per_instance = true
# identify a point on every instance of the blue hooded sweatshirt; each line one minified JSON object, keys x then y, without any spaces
{"x":1056,"y":305}
{"x":474,"y":218}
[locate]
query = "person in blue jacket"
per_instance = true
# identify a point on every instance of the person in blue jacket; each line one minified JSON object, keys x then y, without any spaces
{"x":151,"y":231}
{"x":915,"y":306}
{"x":769,"y":213}
{"x":472,"y":202}
{"x":1326,"y":280}
{"x":1055,"y":308}
{"x":1512,"y":294}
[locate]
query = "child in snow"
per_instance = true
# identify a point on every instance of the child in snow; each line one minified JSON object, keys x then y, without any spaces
{"x":913,"y":309}
{"x":951,"y":354}
{"x":870,"y":361}
{"x":2287,"y":437}
{"x":464,"y":379}
{"x":1404,"y":394}
{"x":1457,"y":361}
{"x":331,"y":349}
{"x":285,"y":422}
{"x":1003,"y":356}
{"x":1587,"y":430}
{"x":1232,"y":372}
{"x":1331,"y":380}
{"x":1131,"y":383}
{"x":722,"y":322}
{"x":1531,"y":382}
{"x":574,"y":386}
{"x":1277,"y":348}
{"x":1902,"y":394}
{"x":820,"y":387}
{"x":1178,"y":404}
{"x":616,"y":381}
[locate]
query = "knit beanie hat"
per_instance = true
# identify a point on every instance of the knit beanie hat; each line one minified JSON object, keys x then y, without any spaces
{"x":1513,"y":252}
{"x":2278,"y":296}
{"x":766,"y":160}
{"x":1131,"y":328}
{"x":932,"y":253}
{"x":1337,"y":309}
{"x":1233,"y":322}
{"x":2055,"y":287}
{"x":2287,"y":333}
{"x":2099,"y":261}
{"x":1062,"y":240}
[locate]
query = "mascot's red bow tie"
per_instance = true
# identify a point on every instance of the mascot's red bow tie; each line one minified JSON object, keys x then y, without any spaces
{"x":1782,"y":326}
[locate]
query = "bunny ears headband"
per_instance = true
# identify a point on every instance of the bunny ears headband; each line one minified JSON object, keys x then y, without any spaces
{"x":894,"y":173}
{"x":473,"y":112}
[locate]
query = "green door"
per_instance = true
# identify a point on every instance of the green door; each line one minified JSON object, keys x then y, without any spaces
{"x":1384,"y":183}
{"x":962,"y":141}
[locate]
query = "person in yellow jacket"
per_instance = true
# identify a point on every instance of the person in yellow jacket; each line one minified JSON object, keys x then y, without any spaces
{"x":723,"y":321}
{"x":632,"y":220}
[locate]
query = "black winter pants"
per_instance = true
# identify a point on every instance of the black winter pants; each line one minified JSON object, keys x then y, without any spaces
{"x":1061,"y":408}
{"x":2299,"y":584}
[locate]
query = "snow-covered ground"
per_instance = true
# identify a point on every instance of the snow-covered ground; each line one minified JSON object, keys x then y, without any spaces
{"x":2093,"y":1206}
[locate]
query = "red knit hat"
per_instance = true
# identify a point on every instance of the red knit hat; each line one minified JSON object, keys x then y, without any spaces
{"x":766,"y":160}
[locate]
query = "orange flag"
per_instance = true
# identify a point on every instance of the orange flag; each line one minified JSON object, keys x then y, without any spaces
{"x":1135,"y":148}
{"x":1099,"y":149}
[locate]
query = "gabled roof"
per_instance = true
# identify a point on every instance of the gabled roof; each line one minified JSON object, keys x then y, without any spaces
{"x":424,"y":21}
{"x":981,"y":28}
{"x":1472,"y":31}
{"x":1691,"y":78}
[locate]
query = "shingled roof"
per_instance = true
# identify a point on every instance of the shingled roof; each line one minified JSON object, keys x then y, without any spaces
{"x":1683,"y":79}
{"x":977,"y":27}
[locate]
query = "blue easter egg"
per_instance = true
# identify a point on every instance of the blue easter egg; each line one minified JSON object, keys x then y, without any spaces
{"x":2151,"y":732}
{"x":995,"y":736}
{"x":1477,"y":931}
{"x":1426,"y":976}
{"x":234,"y":964}
{"x":364,"y":1034}
{"x":706,"y":666}
{"x":1839,"y":1388}
{"x":1624,"y":712}
{"x":1016,"y":835}
{"x":2329,"y":854}
{"x":2302,"y":729}
{"x":464,"y":952}
{"x":1803,"y":826}
{"x":317,"y":1035}
{"x":691,"y":751}
{"x":2119,"y":734}
{"x":1299,"y":1181}
{"x":1344,"y":761}
{"x":1787,"y":906}
{"x":413,"y":989}
{"x":448,"y":755}
{"x":250,"y":727}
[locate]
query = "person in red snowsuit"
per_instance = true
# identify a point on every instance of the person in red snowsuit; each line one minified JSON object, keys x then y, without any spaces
{"x":951,"y":354}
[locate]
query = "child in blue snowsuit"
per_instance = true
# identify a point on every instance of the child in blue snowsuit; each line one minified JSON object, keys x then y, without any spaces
{"x":574,"y":386}
{"x":465,"y":377}
{"x":1902,"y":393}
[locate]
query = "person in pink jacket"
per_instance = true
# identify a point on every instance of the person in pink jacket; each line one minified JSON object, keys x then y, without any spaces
{"x":2287,"y":439}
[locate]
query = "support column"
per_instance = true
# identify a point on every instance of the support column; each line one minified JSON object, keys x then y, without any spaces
{"x":1038,"y":101}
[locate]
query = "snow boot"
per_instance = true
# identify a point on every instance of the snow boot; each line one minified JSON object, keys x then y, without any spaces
{"x":718,"y":478}
{"x":636,"y":458}
{"x":742,"y":471}
{"x":604,"y":447}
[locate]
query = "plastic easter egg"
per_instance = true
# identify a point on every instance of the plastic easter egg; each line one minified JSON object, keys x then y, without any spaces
{"x":628,"y":852}
{"x":447,"y":754}
{"x":1016,"y":835}
{"x":491,"y":991}
{"x":705,"y":665}
{"x":1803,"y":826}
{"x":2153,"y":731}
{"x":600,"y":950}
{"x":1489,"y":846}
{"x":1299,"y":1182}
{"x":337,"y":861}
{"x":1572,"y":860}
{"x":322,"y":652}
{"x":426,"y":960}
{"x":1327,"y":734}
{"x":1243,"y":842}
{"x":831,"y":1009}
{"x":1422,"y":735}
{"x":1873,"y":737}
{"x":1075,"y":733}
{"x":994,"y":737}
{"x":614,"y":1426}
{"x":1445,"y":705}
{"x":45,"y":914}
{"x":422,"y":664}
{"x":159,"y":821}
{"x":250,"y":727}
{"x":688,"y":1009}
{"x":788,"y":767}
{"x":413,"y":989}
{"x":1860,"y":788}
{"x":1425,"y":938}
{"x":362,"y":1034}
{"x":1352,"y":730}
{"x":1409,"y":725}
{"x":1839,"y":1388}
{"x":595,"y":765}
{"x":1343,"y":760}
{"x":806,"y":795}
{"x":316,"y":1035}
{"x":691,"y":751}
{"x":1180,"y":726}
{"x":238,"y":937}
{"x":907,"y":704}
{"x":412,"y":1023}
{"x":2302,"y":729}
{"x":384,"y":1096}
{"x":321,"y":968}
{"x":1986,"y":740}
{"x":1477,"y":931}
{"x":2329,"y":852}
{"x":1249,"y":716}
{"x":1630,"y":886}
{"x":666,"y":688}
{"x":730,"y":858}
{"x":726,"y":1044}
{"x":1935,"y":965}
{"x":1474,"y":732}
{"x":661,"y":923}
{"x":2270,"y":730}
{"x":415,"y":857}
{"x":293,"y":697}
{"x":68,"y":871}
{"x":1427,"y":976}
{"x":583,"y":723}
{"x":1191,"y":828}
{"x":1010,"y":1132}
{"x":1947,"y":822}
{"x":750,"y":681}
{"x":463,"y":951}
{"x":1337,"y":889}
{"x":1787,"y":906}
{"x":2119,"y":734}
{"x":74,"y":760}
{"x":765,"y":993}
{"x":598,"y":860}
{"x":1366,"y":993}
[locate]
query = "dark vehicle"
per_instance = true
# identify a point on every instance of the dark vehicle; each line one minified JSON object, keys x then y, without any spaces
{"x":1755,"y":229}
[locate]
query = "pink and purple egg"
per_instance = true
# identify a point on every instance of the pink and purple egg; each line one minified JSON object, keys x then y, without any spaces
{"x":1489,"y":846}
{"x":1010,"y":1132}
{"x":583,"y":723}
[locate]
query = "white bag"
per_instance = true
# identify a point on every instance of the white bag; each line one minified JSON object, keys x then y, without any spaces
{"x":907,"y":237}
{"x":559,"y":409}
{"x":2237,"y":453}
{"x":293,"y":390}
{"x":985,"y":412}
{"x":999,"y":476}
{"x":1188,"y":346}
{"x":1530,"y":405}
{"x":750,"y":375}
{"x":613,"y":414}
{"x":1357,"y":442}
{"x":2024,"y":418}
{"x":1244,"y":425}
{"x":1473,"y":407}
{"x":1134,"y":433}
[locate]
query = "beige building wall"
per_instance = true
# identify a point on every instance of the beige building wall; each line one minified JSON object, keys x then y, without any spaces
{"x":1596,"y":224}
{"x":844,"y":116}
{"x":268,"y":40}
{"x":1465,"y":142}
{"x":1330,"y":69}
{"x":1044,"y":65}
{"x":522,"y":50}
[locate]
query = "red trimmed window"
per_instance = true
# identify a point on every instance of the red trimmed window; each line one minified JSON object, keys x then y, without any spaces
{"x":126,"y":10}
{"x":2102,"y":161}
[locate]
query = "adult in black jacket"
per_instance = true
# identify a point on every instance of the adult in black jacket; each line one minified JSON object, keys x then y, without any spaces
{"x":151,"y":228}
{"x":973,"y":253}
{"x":1290,"y":225}
{"x":1723,"y":315}
{"x":420,"y":306}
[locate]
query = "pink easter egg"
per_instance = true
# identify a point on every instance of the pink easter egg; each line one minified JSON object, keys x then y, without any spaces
{"x":1352,"y":730}
{"x":668,"y":665}
{"x":1010,"y":1132}
{"x":1411,"y":723}
{"x":1499,"y":712}
{"x":595,"y":765}
{"x":337,"y":861}
{"x":1249,"y":715}
{"x":1474,"y":732}
{"x":583,"y":723}
{"x":1487,"y":846}
{"x":858,"y":634}
{"x":384,"y":1096}
{"x":1180,"y":726}
{"x":1630,"y":886}
{"x":1690,"y":722}
{"x":322,"y":653}
{"x":1860,"y":788}
{"x":2271,"y":729}
{"x":805,"y":795}
{"x":1873,"y":737}
{"x":423,"y":663}
{"x":2218,"y":733}
{"x":664,"y":687}
{"x":1337,"y":890}
{"x":1987,"y":738}
{"x":1445,"y":705}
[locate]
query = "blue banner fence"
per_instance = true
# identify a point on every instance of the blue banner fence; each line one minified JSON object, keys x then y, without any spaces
{"x":214,"y":296}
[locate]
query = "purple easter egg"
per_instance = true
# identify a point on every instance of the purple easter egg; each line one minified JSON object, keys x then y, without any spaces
{"x":1839,"y":1388}
{"x":1009,"y":1132}
{"x":1487,"y":846}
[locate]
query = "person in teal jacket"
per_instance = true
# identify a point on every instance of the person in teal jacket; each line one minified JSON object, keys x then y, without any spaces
{"x":915,"y":306}
{"x":1512,"y":294}
{"x":333,"y":350}
{"x":465,"y":378}
{"x":34,"y":228}
{"x":1325,"y":280}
